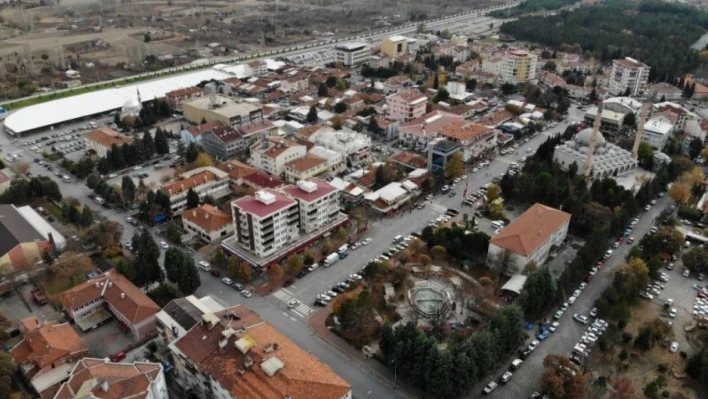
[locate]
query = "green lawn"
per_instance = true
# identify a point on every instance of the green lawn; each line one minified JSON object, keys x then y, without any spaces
{"x":56,"y":285}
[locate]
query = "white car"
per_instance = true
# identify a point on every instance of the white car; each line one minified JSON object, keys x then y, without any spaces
{"x":324,"y":297}
{"x":577,"y":293}
{"x":355,"y":277}
{"x":366,"y":241}
{"x":204,"y":263}
{"x":571,"y":300}
{"x":580,"y":318}
{"x":593,"y":312}
{"x":672,"y":313}
{"x":293,"y":303}
{"x":554,"y":326}
{"x":226,"y":281}
{"x":355,"y":246}
{"x":246,"y":293}
{"x":674,"y":347}
{"x":164,"y":245}
{"x":506,"y":377}
{"x":532,"y":346}
{"x":490,"y":387}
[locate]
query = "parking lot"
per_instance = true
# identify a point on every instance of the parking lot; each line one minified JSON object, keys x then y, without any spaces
{"x":315,"y":58}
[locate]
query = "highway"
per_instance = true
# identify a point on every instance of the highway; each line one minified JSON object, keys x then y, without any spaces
{"x":450,"y":22}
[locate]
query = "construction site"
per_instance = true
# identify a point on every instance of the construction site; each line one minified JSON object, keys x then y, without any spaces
{"x":53,"y":45}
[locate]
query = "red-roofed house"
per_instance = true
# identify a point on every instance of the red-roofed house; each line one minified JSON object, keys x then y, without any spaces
{"x":475,"y":139}
{"x":420,"y":131}
{"x":177,"y":97}
{"x":45,"y":354}
{"x":206,"y":181}
{"x":207,"y":222}
{"x":116,"y":294}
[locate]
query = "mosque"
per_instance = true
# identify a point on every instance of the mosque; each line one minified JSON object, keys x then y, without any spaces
{"x":609,"y":160}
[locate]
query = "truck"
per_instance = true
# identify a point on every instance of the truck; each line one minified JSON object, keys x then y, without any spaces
{"x":39,"y":296}
{"x":330,"y":259}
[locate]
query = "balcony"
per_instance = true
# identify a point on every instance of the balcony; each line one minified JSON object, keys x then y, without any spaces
{"x":267,"y":236}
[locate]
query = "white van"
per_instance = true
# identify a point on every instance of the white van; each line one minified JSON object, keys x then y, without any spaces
{"x":397,"y":238}
{"x":497,"y":224}
{"x":343,"y":249}
{"x":66,"y":178}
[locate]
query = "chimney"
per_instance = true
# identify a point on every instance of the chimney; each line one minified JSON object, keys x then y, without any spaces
{"x":122,"y":295}
{"x":104,"y":385}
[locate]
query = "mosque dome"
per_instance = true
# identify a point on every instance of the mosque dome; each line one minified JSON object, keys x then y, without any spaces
{"x":583,"y":138}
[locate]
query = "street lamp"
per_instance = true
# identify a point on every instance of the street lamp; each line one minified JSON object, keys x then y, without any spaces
{"x":395,"y":373}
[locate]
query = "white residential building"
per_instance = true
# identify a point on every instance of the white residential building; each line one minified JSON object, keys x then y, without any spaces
{"x":351,"y":54}
{"x":355,"y":146}
{"x":266,"y":222}
{"x":205,"y":181}
{"x":657,"y":131}
{"x":318,"y":202}
{"x":272,"y":153}
{"x":475,"y":140}
{"x":519,"y":66}
{"x":529,"y":238}
{"x":335,"y":160}
{"x":207,"y":222}
{"x":628,"y":74}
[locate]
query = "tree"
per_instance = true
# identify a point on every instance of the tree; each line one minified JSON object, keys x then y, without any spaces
{"x":373,"y":126}
{"x":192,"y":199}
{"x":680,"y":192}
{"x":623,"y":389}
{"x":86,"y":218}
{"x":629,"y":120}
{"x":438,"y":253}
{"x":696,"y":260}
{"x":275,"y":274}
{"x":645,"y":155}
{"x":493,"y":192}
{"x":323,"y":90}
{"x":471,"y":85}
{"x":342,"y":234}
{"x":295,"y":264}
{"x":239,"y":270}
{"x":146,"y":261}
{"x":704,"y":153}
{"x":181,"y":270}
{"x":327,"y":247}
{"x":312,"y":115}
{"x":455,"y":166}
{"x":341,"y":107}
{"x":128,"y":189}
{"x":72,"y":265}
{"x":436,"y":81}
{"x":149,"y":144}
{"x":539,"y":291}
{"x":381,"y":177}
{"x":695,"y":147}
{"x":562,"y":379}
{"x":441,"y":95}
{"x":192,"y":153}
{"x":162,"y":145}
{"x":203,"y":159}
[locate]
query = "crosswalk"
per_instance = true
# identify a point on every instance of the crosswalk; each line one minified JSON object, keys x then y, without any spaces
{"x":286,"y":296}
{"x":438,"y":207}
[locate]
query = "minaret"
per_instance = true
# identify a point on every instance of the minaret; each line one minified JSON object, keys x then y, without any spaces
{"x":640,"y":129}
{"x":587,"y":168}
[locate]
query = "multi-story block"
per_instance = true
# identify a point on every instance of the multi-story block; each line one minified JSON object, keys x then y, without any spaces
{"x":657,"y":131}
{"x":475,"y":140}
{"x":356,"y":147}
{"x":351,"y":54}
{"x":234,"y":354}
{"x":265,"y":222}
{"x":394,"y":46}
{"x":227,"y":142}
{"x":272,"y":153}
{"x":102,"y":139}
{"x":303,"y":168}
{"x":181,"y":314}
{"x":406,"y":105}
{"x":518,"y":66}
{"x":222,"y":109}
{"x":419,"y":132}
{"x":206,"y":181}
{"x":630,"y":75}
{"x":178,"y":97}
{"x":318,"y":203}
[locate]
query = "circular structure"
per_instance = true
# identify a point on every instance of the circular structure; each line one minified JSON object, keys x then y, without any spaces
{"x":582,"y":139}
{"x":430,"y":299}
{"x":131,"y":107}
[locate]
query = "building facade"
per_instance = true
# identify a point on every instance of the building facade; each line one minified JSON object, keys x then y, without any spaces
{"x":351,"y":54}
{"x":475,"y":140}
{"x":394,"y":46}
{"x":208,"y":223}
{"x":406,"y":105}
{"x":205,"y":181}
{"x":303,"y":168}
{"x":103,"y":138}
{"x":628,"y":75}
{"x":317,"y":203}
{"x":271,"y":154}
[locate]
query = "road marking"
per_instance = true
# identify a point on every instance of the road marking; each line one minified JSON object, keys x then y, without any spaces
{"x":293,"y":319}
{"x":285,"y":314}
{"x":298,"y":313}
{"x":439,"y":207}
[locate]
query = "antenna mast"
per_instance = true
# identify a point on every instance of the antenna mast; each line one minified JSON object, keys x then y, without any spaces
{"x":587,"y":168}
{"x":640,"y":129}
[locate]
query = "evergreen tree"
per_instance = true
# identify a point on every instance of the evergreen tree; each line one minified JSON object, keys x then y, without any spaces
{"x":146,"y":262}
{"x":323,"y":90}
{"x":373,"y":124}
{"x":436,"y":82}
{"x":312,"y":115}
{"x":149,"y":145}
{"x":162,"y":146}
{"x":189,"y":279}
{"x":86,"y":218}
{"x":192,"y":153}
{"x":128,"y":189}
{"x":129,"y":154}
{"x":192,"y":199}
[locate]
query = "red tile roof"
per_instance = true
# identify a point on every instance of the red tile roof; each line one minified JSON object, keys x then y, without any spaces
{"x":530,"y":230}
{"x":124,"y":380}
{"x":263,"y":180}
{"x":178,"y":186}
{"x":106,"y":137}
{"x":205,"y":127}
{"x":208,"y":217}
{"x":48,"y":344}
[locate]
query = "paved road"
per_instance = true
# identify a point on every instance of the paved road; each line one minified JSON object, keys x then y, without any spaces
{"x":315,"y":46}
{"x":526,"y":380}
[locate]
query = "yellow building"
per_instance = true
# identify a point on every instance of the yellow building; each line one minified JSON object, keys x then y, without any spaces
{"x":394,"y":46}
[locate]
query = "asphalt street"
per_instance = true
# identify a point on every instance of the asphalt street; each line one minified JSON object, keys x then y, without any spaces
{"x":273,"y":308}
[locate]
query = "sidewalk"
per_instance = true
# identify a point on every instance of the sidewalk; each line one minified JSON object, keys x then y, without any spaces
{"x":372,"y":366}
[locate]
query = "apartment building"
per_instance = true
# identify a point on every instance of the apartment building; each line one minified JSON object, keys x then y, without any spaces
{"x":303,"y":168}
{"x":222,"y":109}
{"x":317,"y":201}
{"x":178,"y":97}
{"x":270,"y":154}
{"x":195,"y":134}
{"x":475,"y":140}
{"x":406,"y":105}
{"x":205,"y":181}
{"x":111,"y":295}
{"x":355,"y":147}
{"x":530,"y":237}
{"x":657,"y":131}
{"x":335,"y":160}
{"x":227,"y":142}
{"x":207,"y":222}
{"x":518,"y":66}
{"x":266,"y":221}
{"x":44,"y":356}
{"x":418,"y":132}
{"x":102,"y":139}
{"x":351,"y":54}
{"x":394,"y":46}
{"x":234,"y":354}
{"x":101,"y":378}
{"x":630,"y":75}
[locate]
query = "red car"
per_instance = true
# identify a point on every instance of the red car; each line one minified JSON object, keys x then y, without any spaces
{"x":118,"y":357}
{"x":599,"y":265}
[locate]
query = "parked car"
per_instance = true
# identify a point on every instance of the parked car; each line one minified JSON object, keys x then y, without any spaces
{"x":580,"y":318}
{"x":226,"y":281}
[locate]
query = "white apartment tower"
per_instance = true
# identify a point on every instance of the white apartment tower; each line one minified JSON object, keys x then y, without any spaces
{"x":318,"y":203}
{"x":631,"y":74}
{"x":351,"y":54}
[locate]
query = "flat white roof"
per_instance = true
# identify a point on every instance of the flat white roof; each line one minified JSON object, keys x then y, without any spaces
{"x":75,"y":107}
{"x":352,"y":46}
{"x":397,"y":38}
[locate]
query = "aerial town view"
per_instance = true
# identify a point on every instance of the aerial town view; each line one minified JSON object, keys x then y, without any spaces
{"x":424,"y":199}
